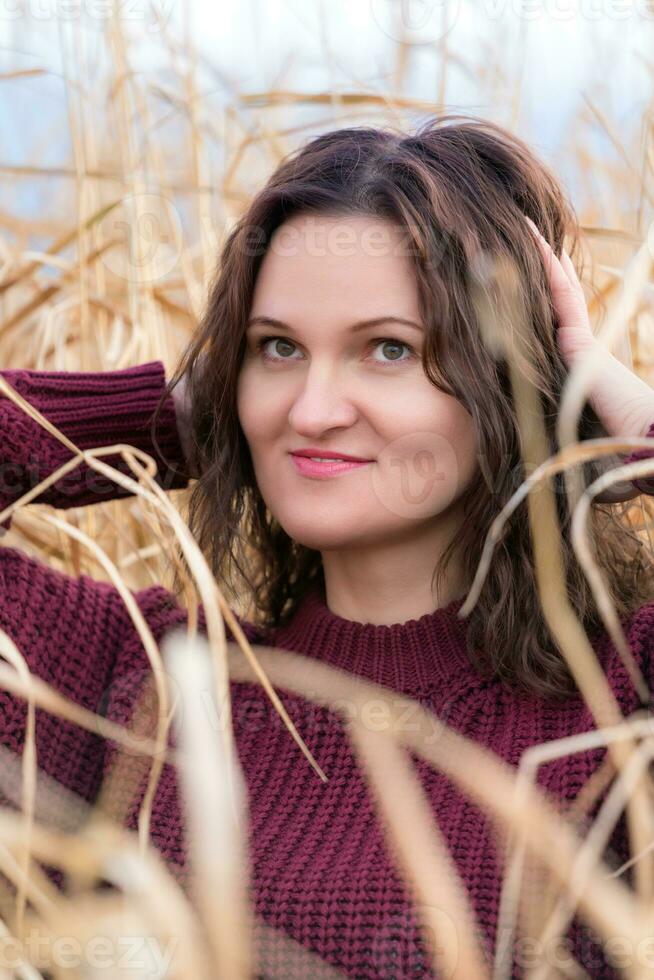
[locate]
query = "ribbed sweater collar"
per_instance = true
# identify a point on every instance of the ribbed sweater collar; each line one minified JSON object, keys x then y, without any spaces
{"x":416,"y":656}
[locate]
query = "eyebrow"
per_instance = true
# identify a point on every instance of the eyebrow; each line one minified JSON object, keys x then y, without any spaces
{"x":269,"y":321}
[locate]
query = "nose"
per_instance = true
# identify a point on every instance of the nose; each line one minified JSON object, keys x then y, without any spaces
{"x":321,"y":404}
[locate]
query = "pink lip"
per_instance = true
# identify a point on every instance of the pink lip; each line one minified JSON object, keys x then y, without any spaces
{"x":313,"y":468}
{"x":328,"y":454}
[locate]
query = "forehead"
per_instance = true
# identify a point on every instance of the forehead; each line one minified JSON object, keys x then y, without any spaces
{"x":317,"y":236}
{"x":338,"y":260}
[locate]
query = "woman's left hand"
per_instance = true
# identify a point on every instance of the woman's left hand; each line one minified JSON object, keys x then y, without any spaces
{"x":623,"y":402}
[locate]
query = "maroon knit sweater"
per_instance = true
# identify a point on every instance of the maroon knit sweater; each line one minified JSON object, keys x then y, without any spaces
{"x":321,"y":869}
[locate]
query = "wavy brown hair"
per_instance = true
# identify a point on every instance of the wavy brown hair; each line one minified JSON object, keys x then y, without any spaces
{"x":458,"y":185}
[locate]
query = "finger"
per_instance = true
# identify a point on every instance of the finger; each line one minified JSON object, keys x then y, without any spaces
{"x":571,"y":272}
{"x":563,"y":290}
{"x":565,"y":261}
{"x":566,"y":293}
{"x":543,"y":244}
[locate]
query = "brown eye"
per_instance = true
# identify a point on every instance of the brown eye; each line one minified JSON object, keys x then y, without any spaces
{"x":282,"y":346}
{"x":281,"y":351}
{"x":392,"y":350}
{"x":393,"y":347}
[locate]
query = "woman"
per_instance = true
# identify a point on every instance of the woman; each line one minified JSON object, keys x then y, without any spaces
{"x":340,"y":323}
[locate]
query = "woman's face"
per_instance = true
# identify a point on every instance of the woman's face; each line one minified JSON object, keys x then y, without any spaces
{"x":329,"y":384}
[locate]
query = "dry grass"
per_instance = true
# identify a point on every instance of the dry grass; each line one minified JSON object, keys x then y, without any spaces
{"x":124,"y":282}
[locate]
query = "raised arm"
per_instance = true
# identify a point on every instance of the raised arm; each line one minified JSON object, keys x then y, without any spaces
{"x":76,"y":634}
{"x":95,"y":408}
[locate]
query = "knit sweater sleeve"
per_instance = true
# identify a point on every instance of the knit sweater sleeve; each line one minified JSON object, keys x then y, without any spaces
{"x":93,"y":409}
{"x":76,"y":634}
{"x":69,"y":630}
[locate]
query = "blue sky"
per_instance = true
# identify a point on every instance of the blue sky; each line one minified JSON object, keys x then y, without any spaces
{"x":555,"y":52}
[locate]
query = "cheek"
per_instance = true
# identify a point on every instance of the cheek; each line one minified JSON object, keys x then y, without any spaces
{"x":435,"y":411}
{"x":250,"y":415}
{"x":429,"y":461}
{"x":261,"y":406}
{"x":463,"y":438}
{"x":416,"y":474}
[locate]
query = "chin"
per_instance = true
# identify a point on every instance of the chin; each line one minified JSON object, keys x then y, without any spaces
{"x":325,"y":533}
{"x":320,"y":539}
{"x":333,"y":533}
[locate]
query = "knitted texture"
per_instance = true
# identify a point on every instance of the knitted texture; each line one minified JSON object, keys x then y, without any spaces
{"x":322,"y":871}
{"x":92,"y":409}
